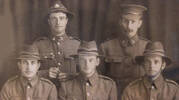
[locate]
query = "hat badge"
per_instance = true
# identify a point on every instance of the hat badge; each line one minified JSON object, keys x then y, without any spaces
{"x":56,"y":6}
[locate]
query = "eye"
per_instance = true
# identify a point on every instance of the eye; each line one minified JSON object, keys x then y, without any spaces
{"x":33,"y":62}
{"x":156,"y":61}
{"x":53,"y":18}
{"x":90,"y":60}
{"x":62,"y":18}
{"x":133,"y":21}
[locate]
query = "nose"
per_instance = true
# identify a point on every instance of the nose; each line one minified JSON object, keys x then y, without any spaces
{"x":129,"y":24}
{"x":58,"y":21}
{"x":86,"y":63}
{"x":28,"y":66}
{"x":151,"y":66}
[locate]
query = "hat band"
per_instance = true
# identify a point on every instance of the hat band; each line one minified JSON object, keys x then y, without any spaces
{"x":154,"y":53}
{"x":29,"y":57}
{"x":88,"y":53}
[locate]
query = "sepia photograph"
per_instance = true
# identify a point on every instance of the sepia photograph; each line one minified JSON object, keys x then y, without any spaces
{"x":89,"y":50}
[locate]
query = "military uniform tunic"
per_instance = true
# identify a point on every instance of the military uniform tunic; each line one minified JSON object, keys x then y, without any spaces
{"x":119,"y":63}
{"x":18,"y":88}
{"x":97,"y":87}
{"x":143,"y":89}
{"x":56,"y":52}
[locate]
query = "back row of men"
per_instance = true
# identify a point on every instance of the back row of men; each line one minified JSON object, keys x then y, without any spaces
{"x":133,"y":64}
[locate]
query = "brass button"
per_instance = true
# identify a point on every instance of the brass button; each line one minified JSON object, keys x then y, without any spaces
{"x":87,"y":84}
{"x":59,"y":63}
{"x":58,"y":43}
{"x":88,"y":94}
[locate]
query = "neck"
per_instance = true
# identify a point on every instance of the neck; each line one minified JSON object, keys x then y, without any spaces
{"x":153,"y":78}
{"x":58,"y":34}
{"x":88,"y":75}
{"x":30,"y":78}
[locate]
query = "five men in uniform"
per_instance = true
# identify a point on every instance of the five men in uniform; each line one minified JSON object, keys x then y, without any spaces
{"x":60,"y":54}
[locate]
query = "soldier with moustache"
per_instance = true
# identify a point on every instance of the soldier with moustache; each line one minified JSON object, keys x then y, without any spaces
{"x":119,"y":52}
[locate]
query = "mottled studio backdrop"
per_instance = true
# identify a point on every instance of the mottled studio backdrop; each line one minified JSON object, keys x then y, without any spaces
{"x":22,"y":21}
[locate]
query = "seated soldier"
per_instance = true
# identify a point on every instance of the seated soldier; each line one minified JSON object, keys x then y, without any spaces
{"x":27,"y":85}
{"x":88,"y":84}
{"x":153,"y":86}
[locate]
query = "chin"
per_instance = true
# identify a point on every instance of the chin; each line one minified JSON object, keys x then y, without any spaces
{"x":29,"y":76}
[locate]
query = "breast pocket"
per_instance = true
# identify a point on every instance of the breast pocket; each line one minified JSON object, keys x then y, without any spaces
{"x":100,"y":98}
{"x":17,"y":98}
{"x":71,"y":97}
{"x":24,"y":98}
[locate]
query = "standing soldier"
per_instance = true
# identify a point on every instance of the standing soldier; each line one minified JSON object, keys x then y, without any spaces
{"x":119,"y":53}
{"x":56,"y":49}
{"x":152,"y":86}
{"x":88,"y":85}
{"x":27,"y":85}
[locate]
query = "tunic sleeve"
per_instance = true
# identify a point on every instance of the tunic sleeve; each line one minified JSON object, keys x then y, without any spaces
{"x":53,"y":93}
{"x":113,"y":93}
{"x":4,"y":94}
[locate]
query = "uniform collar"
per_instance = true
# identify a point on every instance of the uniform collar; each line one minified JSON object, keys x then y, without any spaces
{"x":130,"y":41}
{"x":156,"y":83}
{"x":59,"y":38}
{"x":91,"y":80}
{"x":30,"y":83}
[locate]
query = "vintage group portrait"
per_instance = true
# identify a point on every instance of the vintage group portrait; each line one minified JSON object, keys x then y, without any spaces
{"x":89,"y":50}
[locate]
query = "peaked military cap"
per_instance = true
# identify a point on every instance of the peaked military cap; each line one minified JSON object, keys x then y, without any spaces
{"x":57,"y":6}
{"x":132,"y":11}
{"x":29,"y":52}
{"x":153,"y":48}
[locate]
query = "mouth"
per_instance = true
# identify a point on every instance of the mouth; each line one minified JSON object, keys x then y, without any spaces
{"x":28,"y":72}
{"x":58,"y":26}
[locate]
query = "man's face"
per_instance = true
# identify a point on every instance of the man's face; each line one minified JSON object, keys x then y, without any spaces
{"x":28,"y":68}
{"x":153,"y":65}
{"x":88,"y":64}
{"x":130,"y":25}
{"x":58,"y":22}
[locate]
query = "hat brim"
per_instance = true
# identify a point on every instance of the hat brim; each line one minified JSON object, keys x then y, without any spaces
{"x":77,"y":55}
{"x":140,"y":59}
{"x":69,"y":14}
{"x":28,"y":58}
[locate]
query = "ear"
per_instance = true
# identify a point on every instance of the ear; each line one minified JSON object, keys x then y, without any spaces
{"x":163,"y":65}
{"x":97,"y":61}
{"x":19,"y":65}
{"x":140,"y":23}
{"x":120,"y":21}
{"x":48,"y":20}
{"x":67,"y":19}
{"x":38,"y":65}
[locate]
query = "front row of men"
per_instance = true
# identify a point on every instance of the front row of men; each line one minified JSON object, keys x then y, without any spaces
{"x":88,"y":84}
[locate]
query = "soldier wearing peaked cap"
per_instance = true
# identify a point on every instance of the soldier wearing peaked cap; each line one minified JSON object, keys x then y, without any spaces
{"x":56,"y":49}
{"x":88,"y":85}
{"x":152,"y":86}
{"x":27,"y":85}
{"x":119,"y":52}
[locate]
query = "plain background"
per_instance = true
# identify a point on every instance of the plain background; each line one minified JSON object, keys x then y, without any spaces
{"x":22,"y":21}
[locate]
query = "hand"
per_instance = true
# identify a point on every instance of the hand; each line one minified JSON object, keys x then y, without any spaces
{"x":53,"y":72}
{"x":62,"y":76}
